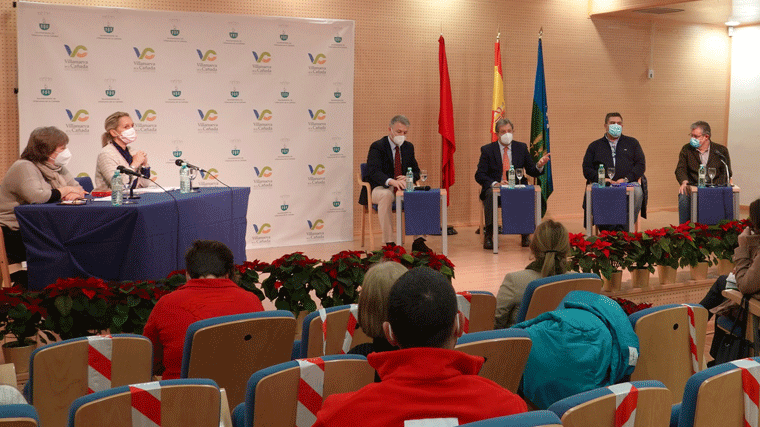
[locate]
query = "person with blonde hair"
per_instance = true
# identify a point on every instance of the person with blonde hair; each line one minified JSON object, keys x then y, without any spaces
{"x":120,"y":132}
{"x":550,"y":249}
{"x":373,"y":305}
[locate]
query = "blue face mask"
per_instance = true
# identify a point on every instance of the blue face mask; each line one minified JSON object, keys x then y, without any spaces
{"x":694,"y":142}
{"x":615,"y":130}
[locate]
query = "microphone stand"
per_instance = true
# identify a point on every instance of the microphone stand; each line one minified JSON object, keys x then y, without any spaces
{"x":132,"y":189}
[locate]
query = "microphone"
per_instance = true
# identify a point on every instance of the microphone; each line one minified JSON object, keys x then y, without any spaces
{"x":723,"y":160}
{"x":180,"y":163}
{"x":422,"y":188}
{"x":127,"y":171}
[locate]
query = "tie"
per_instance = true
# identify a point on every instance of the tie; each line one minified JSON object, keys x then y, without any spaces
{"x":505,"y":162}
{"x":397,"y":163}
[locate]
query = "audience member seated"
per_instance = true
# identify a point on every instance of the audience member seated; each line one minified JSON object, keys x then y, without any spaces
{"x":425,"y":379}
{"x":208,"y":293}
{"x":38,"y":176}
{"x":10,"y":395}
{"x":550,"y":249}
{"x":373,"y":305}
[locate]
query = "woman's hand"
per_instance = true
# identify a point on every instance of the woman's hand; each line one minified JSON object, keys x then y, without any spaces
{"x":71,"y":193}
{"x":139,"y":159}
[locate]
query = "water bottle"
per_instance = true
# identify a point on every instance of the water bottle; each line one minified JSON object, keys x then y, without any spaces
{"x":600,"y":175}
{"x":511,"y":177}
{"x":116,"y":185}
{"x":409,"y":180}
{"x":702,"y":175}
{"x":184,"y":179}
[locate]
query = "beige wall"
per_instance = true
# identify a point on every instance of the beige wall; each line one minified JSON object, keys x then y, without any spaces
{"x":592,"y":67}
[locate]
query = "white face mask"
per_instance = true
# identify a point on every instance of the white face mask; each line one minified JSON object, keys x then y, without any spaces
{"x":62,"y":159}
{"x":399,"y":139}
{"x":128,"y":136}
{"x":506,"y":139}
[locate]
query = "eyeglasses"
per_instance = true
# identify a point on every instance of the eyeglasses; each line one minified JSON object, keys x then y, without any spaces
{"x":696,"y":136}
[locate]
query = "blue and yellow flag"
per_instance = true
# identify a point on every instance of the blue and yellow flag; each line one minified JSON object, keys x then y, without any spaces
{"x":539,"y":130}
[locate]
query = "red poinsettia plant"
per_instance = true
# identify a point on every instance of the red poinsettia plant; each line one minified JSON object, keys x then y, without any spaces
{"x":21,"y":316}
{"x":337,"y":281}
{"x":289,"y":282}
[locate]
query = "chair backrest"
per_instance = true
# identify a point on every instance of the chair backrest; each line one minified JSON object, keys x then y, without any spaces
{"x":665,"y":345}
{"x":18,"y":415}
{"x":312,"y":335}
{"x":482,"y":309}
{"x":713,"y":397}
{"x":541,"y":418}
{"x":363,"y":171}
{"x":545,"y":294}
{"x":506,"y":352}
{"x":58,"y":372}
{"x":272,"y":396}
{"x":229,"y":349}
{"x":596,"y":408}
{"x":85,"y":182}
{"x":5,"y":272}
{"x":184,"y":402}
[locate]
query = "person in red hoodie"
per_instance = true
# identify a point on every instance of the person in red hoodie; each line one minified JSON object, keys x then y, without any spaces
{"x":208,"y":293}
{"x":426,"y":381}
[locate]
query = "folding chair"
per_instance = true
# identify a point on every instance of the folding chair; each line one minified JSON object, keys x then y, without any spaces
{"x":541,"y":418}
{"x":545,"y":294}
{"x":334,"y":339}
{"x":85,"y":182}
{"x":229,"y":349}
{"x":18,"y":415}
{"x":170,"y":403}
{"x":505,"y":350}
{"x":479,"y":308}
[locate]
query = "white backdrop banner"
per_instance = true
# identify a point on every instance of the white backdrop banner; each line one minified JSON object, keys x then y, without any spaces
{"x":260,"y":102}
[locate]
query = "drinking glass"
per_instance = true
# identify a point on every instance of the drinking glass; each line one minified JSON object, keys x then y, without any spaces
{"x":610,"y":172}
{"x":711,"y":172}
{"x":423,"y":175}
{"x":519,"y":174}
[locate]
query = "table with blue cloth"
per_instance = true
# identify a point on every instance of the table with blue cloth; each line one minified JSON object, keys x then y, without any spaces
{"x":611,"y":205}
{"x":425,"y":213}
{"x":710,"y":205}
{"x":141,"y":241}
{"x":520,"y":211}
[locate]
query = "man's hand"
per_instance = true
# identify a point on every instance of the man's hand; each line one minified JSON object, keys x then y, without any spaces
{"x":543,"y":160}
{"x":684,"y":188}
{"x":621,"y":181}
{"x":399,"y":183}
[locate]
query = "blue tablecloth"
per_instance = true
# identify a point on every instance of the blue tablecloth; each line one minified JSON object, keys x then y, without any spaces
{"x":518,"y":210}
{"x":146,"y":240}
{"x":714,"y":204}
{"x":422,"y":211}
{"x":609,"y":205}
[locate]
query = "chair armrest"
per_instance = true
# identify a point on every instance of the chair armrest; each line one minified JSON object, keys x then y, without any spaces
{"x":736,"y":296}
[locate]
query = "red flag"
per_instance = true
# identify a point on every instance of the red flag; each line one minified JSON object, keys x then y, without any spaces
{"x":498,"y":107}
{"x":446,"y":123}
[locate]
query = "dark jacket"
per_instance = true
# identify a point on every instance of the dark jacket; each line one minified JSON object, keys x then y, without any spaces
{"x":688,"y":164}
{"x":490,"y":164}
{"x":380,"y":164}
{"x":629,"y":159}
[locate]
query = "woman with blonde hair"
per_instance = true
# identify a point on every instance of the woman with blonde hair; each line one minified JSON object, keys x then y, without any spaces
{"x":120,"y":132}
{"x":550,"y":249}
{"x":373,"y":305}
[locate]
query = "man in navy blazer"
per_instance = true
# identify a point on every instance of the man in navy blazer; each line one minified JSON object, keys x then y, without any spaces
{"x":385,"y":180}
{"x":491,"y":171}
{"x":620,"y":151}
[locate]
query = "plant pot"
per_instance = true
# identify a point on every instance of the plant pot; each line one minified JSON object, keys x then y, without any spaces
{"x":19,"y":356}
{"x":640,"y":278}
{"x":667,"y":275}
{"x":613,"y":284}
{"x":725,"y":266}
{"x":699,"y":271}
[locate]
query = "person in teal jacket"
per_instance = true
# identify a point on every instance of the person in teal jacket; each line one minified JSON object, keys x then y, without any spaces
{"x":586,"y":343}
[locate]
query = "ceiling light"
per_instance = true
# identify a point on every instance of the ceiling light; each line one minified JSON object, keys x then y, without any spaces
{"x":732,"y":23}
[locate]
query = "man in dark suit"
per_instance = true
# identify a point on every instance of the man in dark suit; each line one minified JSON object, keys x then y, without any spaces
{"x":388,"y":160}
{"x":699,"y":151}
{"x":492,"y":170}
{"x":620,"y":151}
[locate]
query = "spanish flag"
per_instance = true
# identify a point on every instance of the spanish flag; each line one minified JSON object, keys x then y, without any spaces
{"x":498,"y":107}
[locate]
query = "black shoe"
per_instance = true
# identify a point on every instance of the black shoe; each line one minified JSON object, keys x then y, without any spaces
{"x":419,"y":245}
{"x":488,"y":242}
{"x":525,"y":240}
{"x":451,"y":231}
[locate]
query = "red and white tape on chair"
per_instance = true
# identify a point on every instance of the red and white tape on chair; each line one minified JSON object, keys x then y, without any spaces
{"x":626,"y":401}
{"x":353,"y":315}
{"x":310,"y":391}
{"x":464,"y":301}
{"x":751,"y":387}
{"x":99,"y":354}
{"x":692,"y":339}
{"x":146,"y":404}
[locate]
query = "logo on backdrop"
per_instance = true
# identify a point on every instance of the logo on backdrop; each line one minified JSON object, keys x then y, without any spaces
{"x":109,"y":93}
{"x":143,"y":62}
{"x":262,"y":122}
{"x":235,"y":151}
{"x":285,"y":96}
{"x":77,"y":119}
{"x":263,"y":177}
{"x":261,"y":60}
{"x":234,"y":94}
{"x":284,"y":207}
{"x":206,"y":125}
{"x":315,"y":229}
{"x":233,"y":34}
{"x":211,"y":173}
{"x":316,"y":121}
{"x":206,"y":57}
{"x":335,"y":149}
{"x":337,"y":97}
{"x":43,"y":28}
{"x":317,"y":64}
{"x":285,"y":152}
{"x":338,"y":39}
{"x":74,"y":60}
{"x":284,"y":39}
{"x":177,"y":152}
{"x":174,"y":34}
{"x":108,"y":29}
{"x":336,"y":203}
{"x":46,"y":92}
{"x":175,"y":93}
{"x":261,"y":233}
{"x":317,"y":175}
{"x":144,"y":121}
